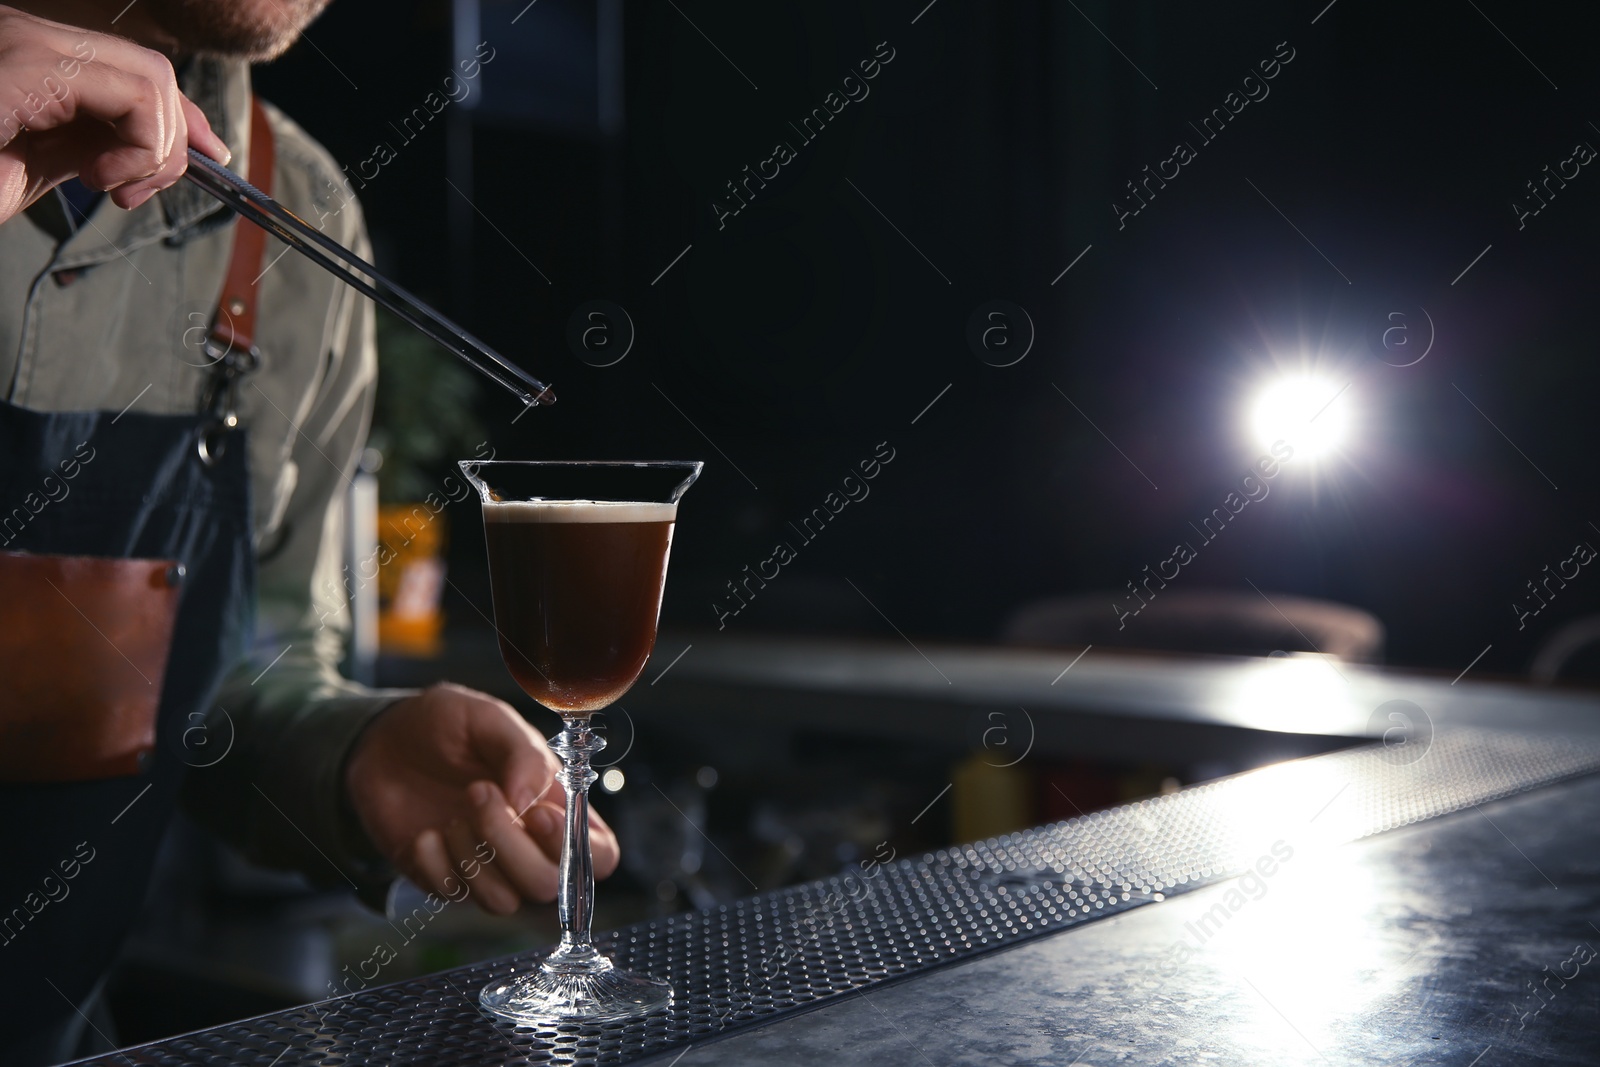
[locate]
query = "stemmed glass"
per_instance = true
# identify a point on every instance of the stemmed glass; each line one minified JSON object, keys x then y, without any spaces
{"x":577,"y":561}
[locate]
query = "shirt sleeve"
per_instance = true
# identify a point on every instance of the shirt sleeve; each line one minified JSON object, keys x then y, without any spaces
{"x":285,"y":716}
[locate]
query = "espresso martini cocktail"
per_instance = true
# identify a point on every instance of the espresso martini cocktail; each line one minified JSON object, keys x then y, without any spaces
{"x":578,"y":562}
{"x":577,"y":589}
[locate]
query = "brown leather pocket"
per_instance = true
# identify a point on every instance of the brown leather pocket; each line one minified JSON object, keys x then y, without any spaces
{"x":83,"y":652}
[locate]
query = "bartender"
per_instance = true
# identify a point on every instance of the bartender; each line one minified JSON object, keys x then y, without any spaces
{"x":186,"y":501}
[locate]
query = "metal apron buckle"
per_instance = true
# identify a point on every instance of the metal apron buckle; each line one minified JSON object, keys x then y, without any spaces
{"x":221,"y":396}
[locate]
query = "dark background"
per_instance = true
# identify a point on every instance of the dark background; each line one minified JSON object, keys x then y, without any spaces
{"x":808,"y":329}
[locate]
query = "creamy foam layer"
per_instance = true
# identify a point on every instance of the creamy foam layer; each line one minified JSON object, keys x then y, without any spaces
{"x":577,"y":511}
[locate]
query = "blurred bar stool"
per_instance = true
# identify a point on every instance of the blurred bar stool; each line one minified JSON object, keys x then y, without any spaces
{"x":1570,"y":651}
{"x":1199,"y":621}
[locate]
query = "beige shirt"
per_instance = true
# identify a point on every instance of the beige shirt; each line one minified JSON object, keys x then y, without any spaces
{"x":108,"y":317}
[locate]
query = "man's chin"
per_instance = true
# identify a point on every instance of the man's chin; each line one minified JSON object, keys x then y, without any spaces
{"x":256,"y":30}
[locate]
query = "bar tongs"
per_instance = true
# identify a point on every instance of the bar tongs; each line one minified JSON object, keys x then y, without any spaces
{"x":251,"y":203}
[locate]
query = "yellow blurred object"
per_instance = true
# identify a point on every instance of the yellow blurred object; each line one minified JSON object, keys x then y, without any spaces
{"x":411,"y":570}
{"x":1147,"y":780}
{"x":990,"y":800}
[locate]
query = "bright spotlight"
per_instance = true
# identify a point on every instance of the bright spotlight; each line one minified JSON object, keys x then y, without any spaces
{"x":1311,"y":414}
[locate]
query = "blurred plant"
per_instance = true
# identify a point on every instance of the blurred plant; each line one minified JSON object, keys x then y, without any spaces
{"x":425,"y":414}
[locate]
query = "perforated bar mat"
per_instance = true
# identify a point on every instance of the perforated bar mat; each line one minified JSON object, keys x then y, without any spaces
{"x":785,"y":951}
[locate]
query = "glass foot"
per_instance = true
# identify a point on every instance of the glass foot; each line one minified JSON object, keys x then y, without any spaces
{"x":553,"y":997}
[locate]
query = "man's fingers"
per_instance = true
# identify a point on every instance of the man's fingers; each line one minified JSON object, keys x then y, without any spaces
{"x":603,"y":845}
{"x":516,"y":856}
{"x":53,"y":156}
{"x":431,"y":864}
{"x":544,"y":813}
{"x":89,"y":79}
{"x":69,"y":89}
{"x":157,"y":70}
{"x":135,"y":193}
{"x":201,"y":135}
{"x":80,"y":52}
{"x":491,"y":889}
{"x":524,"y":767}
{"x":130,"y":104}
{"x":546,"y":824}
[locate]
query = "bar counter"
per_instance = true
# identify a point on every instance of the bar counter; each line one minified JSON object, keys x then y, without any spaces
{"x":1380,"y":904}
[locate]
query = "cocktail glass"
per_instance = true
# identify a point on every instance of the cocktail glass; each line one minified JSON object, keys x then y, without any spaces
{"x":577,"y":561}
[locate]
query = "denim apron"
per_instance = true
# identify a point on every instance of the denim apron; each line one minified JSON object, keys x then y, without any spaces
{"x":147,"y":493}
{"x":79,"y":836}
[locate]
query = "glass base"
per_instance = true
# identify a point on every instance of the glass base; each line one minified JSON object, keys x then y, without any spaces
{"x":550,"y":996}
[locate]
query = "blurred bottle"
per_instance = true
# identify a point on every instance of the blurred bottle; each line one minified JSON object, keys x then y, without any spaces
{"x":411,"y":579}
{"x":990,"y":800}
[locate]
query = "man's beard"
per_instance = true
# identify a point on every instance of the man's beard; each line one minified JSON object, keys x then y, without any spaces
{"x":256,"y":30}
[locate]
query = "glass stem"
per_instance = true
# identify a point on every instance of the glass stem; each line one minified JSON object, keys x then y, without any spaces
{"x":575,"y":745}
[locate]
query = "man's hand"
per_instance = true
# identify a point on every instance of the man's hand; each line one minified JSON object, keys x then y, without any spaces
{"x":438,"y":776}
{"x":91,"y":106}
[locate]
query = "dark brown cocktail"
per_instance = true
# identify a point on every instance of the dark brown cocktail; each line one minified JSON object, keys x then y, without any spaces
{"x":577,"y":591}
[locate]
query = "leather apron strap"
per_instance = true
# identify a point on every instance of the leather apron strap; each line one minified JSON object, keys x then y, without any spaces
{"x":231,"y":339}
{"x":233,"y":326}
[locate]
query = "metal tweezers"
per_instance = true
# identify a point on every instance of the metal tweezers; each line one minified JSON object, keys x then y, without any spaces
{"x":251,"y":203}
